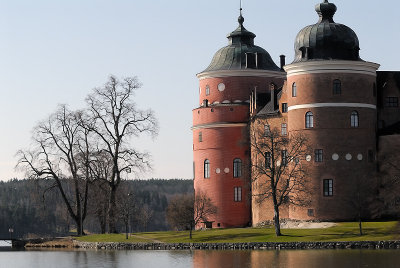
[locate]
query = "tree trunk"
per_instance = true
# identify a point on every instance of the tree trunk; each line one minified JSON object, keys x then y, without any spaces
{"x":111,"y":211}
{"x":276,"y":221}
{"x":190,"y":232}
{"x":360,"y":226}
{"x":126,"y":230}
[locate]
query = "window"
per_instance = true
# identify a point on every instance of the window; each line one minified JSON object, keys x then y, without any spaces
{"x":237,"y":168}
{"x":237,"y":194}
{"x":391,"y":102}
{"x":207,"y":90}
{"x":309,"y":120}
{"x":267,"y":131}
{"x":310,"y":212}
{"x":319,"y":155}
{"x":337,"y":87}
{"x":370,"y":156}
{"x":267,"y":156}
{"x":284,"y":108}
{"x":206,"y":168}
{"x":294,"y":90}
{"x":284,"y":129}
{"x":200,"y":136}
{"x":284,"y":157}
{"x":354,"y":119}
{"x":328,"y":187}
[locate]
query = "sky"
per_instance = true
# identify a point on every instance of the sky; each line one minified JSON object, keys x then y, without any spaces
{"x":55,"y":52}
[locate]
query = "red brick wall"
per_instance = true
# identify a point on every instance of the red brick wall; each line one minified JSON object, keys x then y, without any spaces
{"x":236,"y":88}
{"x":221,"y":145}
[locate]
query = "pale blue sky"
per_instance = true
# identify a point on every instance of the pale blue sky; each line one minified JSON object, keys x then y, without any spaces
{"x":54,"y":51}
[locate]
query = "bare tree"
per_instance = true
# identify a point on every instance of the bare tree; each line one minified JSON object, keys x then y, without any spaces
{"x":362,"y":199}
{"x":126,"y":208}
{"x":146,"y":214}
{"x":186,"y":211}
{"x":60,"y":152}
{"x":180,"y":212}
{"x":116,"y":121}
{"x":278,"y":175}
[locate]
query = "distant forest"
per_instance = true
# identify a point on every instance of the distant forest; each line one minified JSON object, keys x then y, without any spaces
{"x":34,"y":208}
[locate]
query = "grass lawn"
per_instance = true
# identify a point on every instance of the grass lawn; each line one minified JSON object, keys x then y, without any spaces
{"x":348,"y":231}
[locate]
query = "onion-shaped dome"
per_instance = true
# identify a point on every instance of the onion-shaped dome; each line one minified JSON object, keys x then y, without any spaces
{"x":241,"y":53}
{"x":326,"y":40}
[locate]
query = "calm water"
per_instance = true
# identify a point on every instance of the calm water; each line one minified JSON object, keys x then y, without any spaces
{"x":201,"y":259}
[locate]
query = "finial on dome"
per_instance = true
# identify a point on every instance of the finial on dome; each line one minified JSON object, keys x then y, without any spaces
{"x":326,"y":11}
{"x":240,"y":19}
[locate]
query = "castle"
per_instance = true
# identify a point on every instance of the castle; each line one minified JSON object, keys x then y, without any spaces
{"x":344,"y":108}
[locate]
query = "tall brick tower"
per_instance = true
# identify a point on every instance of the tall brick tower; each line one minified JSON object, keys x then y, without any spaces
{"x":220,"y":126}
{"x":331,"y":96}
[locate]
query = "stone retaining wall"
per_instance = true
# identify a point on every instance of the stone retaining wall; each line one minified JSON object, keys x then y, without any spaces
{"x":239,"y":246}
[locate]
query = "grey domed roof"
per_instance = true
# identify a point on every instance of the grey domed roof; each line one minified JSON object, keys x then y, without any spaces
{"x":326,"y":40}
{"x":241,"y":53}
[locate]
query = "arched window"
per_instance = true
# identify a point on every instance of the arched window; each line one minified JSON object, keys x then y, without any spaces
{"x":294,"y":90}
{"x":354,"y":122}
{"x":206,"y":168}
{"x":337,"y":87}
{"x":237,"y":168}
{"x":309,"y":120}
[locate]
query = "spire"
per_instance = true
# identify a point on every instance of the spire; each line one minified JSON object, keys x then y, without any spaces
{"x":241,"y":35}
{"x":240,"y":19}
{"x":326,"y":11}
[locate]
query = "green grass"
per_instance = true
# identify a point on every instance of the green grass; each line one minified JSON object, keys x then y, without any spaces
{"x":111,"y":238}
{"x":373,"y":231}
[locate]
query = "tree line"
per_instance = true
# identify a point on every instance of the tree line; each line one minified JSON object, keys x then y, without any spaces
{"x":34,"y":208}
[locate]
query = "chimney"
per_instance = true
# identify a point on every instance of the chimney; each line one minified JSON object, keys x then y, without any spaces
{"x":282,"y":61}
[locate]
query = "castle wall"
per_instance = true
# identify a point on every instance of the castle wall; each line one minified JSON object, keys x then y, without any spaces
{"x":349,"y":152}
{"x":220,"y":135}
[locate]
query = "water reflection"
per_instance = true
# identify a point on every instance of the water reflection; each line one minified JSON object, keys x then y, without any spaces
{"x":297,"y":258}
{"x":201,"y":259}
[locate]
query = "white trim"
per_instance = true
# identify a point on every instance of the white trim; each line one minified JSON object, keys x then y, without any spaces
{"x":241,"y":73}
{"x":218,"y":125}
{"x":324,"y":105}
{"x":332,"y":66}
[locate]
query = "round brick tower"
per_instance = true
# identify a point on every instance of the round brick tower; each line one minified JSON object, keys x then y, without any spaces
{"x":220,"y":126}
{"x":332,"y":99}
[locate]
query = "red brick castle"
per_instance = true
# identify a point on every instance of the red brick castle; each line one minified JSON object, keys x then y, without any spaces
{"x":338,"y":101}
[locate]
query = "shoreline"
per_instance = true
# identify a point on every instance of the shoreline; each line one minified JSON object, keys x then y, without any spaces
{"x":393,"y":244}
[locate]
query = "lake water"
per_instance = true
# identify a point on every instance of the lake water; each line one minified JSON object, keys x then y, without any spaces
{"x":201,"y":259}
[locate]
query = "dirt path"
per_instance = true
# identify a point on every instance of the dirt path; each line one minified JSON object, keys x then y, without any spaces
{"x":306,"y":225}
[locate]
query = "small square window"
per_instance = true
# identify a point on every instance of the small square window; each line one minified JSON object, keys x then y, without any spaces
{"x":207,"y":90}
{"x":391,"y":102}
{"x":200,"y":136}
{"x":370,"y":156}
{"x":284,"y":129}
{"x":284,"y":157}
{"x":284,"y":108}
{"x":310,"y":212}
{"x":238,"y":194}
{"x":267,"y":159}
{"x":267,"y":130}
{"x":319,"y":155}
{"x":328,"y":187}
